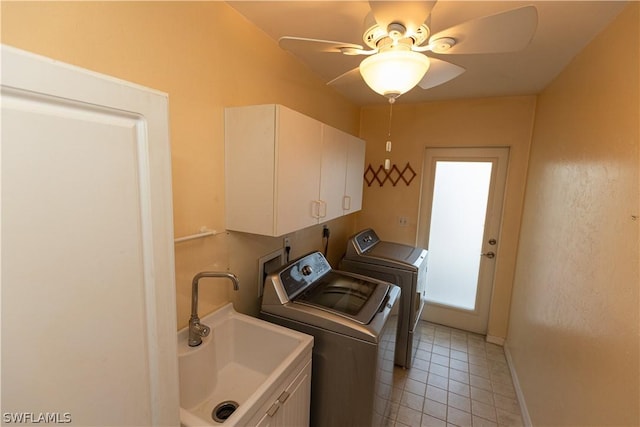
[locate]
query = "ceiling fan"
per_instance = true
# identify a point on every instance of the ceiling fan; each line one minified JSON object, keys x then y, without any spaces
{"x":399,"y":44}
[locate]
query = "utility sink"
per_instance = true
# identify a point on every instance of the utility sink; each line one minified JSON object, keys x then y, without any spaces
{"x":241,"y":363}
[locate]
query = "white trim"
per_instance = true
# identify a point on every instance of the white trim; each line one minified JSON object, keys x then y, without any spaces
{"x":476,"y":320}
{"x":495,"y":340}
{"x":204,"y":232}
{"x":516,"y":384}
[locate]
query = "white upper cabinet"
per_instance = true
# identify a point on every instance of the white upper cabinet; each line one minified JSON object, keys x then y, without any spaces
{"x":352,"y":200}
{"x":333,"y":171}
{"x":285,"y":171}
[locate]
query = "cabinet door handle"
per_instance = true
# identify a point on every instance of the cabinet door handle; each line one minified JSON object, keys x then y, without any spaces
{"x":323,"y":211}
{"x":346,"y":203}
{"x":315,"y":209}
{"x":283,"y":396}
{"x":273,"y":409}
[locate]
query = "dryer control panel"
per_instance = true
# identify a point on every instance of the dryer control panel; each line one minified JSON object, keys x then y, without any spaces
{"x":365,"y":240}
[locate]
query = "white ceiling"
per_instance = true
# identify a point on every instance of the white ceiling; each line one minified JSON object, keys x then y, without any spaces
{"x":564,"y":28}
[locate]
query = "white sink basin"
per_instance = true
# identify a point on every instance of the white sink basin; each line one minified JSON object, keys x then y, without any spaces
{"x":241,"y":360}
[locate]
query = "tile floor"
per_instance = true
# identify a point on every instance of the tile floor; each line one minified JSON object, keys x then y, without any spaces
{"x":457,"y":379}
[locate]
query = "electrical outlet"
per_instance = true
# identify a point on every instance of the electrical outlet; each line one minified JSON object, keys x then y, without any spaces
{"x":403,"y":221}
{"x":287,"y":242}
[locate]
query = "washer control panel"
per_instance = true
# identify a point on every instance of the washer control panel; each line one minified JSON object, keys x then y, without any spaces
{"x":300,"y":274}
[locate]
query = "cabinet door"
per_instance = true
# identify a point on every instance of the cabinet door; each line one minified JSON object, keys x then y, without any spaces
{"x":295,"y":409}
{"x":292,"y":406}
{"x":250,"y":169}
{"x":333,"y":172}
{"x":355,"y":175}
{"x":299,"y":148}
{"x":266,"y":421}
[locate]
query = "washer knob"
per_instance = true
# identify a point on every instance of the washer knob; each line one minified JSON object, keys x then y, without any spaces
{"x":306,"y":270}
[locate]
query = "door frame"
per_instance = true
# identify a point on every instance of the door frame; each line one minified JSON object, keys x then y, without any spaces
{"x":470,"y":320}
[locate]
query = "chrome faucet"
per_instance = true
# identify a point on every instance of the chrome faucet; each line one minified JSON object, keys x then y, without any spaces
{"x":196,"y":329}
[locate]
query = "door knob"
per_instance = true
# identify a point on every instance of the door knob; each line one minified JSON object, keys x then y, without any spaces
{"x":489,"y":255}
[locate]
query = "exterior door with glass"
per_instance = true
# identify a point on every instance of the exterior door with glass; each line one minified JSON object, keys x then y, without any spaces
{"x":460,"y":217}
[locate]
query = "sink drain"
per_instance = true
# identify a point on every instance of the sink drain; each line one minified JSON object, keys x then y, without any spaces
{"x":223,"y":410}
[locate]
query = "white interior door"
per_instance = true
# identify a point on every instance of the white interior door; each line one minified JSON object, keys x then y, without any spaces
{"x":460,"y":216}
{"x":88,"y":294}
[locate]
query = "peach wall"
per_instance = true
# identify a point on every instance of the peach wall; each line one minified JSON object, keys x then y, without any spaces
{"x":573,"y":335}
{"x":206,"y":57}
{"x":501,"y":122}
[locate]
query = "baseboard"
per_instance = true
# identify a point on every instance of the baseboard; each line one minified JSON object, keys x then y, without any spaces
{"x":516,"y":384}
{"x":495,"y":340}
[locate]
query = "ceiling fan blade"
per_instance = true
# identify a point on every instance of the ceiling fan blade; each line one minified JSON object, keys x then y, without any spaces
{"x":346,"y":78}
{"x":508,"y":31}
{"x":411,"y":14}
{"x":440,"y":72}
{"x":295,"y":44}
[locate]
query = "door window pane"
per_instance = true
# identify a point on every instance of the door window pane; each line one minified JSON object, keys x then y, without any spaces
{"x":460,"y":194}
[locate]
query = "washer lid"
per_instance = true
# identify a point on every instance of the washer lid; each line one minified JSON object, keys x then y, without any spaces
{"x":395,"y":255}
{"x":358,"y":299}
{"x":367,"y":247}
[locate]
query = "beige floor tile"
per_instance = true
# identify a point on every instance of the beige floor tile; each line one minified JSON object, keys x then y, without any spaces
{"x":481,"y":422}
{"x":459,"y":365}
{"x":435,"y":409}
{"x":440,"y":370}
{"x":460,"y":376}
{"x":413,"y":401}
{"x":429,"y":421}
{"x":456,"y":379}
{"x":479,"y":370}
{"x":481,"y":395}
{"x":437,"y":394}
{"x":483,"y":410}
{"x":444,"y":351}
{"x":415,"y":387}
{"x":459,"y":388}
{"x":506,"y":403}
{"x":438,"y":381}
{"x":440,"y":359}
{"x":418,"y":375}
{"x":458,"y":417}
{"x":408,"y":416}
{"x":508,"y":419}
{"x":459,"y":402}
{"x":420,"y":364}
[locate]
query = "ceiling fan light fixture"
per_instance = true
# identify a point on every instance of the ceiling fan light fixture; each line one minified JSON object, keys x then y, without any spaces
{"x":394,"y":72}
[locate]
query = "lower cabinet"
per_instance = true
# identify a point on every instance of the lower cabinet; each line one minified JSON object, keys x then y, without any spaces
{"x":289,"y":407}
